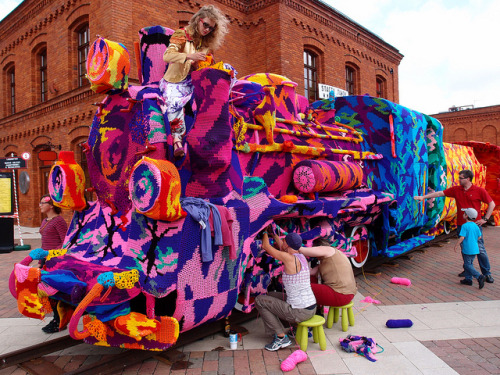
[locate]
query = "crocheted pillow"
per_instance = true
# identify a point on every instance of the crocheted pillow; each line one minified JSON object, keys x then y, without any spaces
{"x":67,"y":183}
{"x":155,"y":189}
{"x":108,"y":65}
{"x":311,"y":176}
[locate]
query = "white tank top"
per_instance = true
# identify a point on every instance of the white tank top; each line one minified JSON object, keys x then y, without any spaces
{"x":298,"y":286}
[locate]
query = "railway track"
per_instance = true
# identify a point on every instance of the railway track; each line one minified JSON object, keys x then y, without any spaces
{"x":31,"y":359}
{"x":375,"y":263}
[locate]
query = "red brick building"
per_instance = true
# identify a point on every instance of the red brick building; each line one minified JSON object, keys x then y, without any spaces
{"x":47,"y":103}
{"x":471,"y":124}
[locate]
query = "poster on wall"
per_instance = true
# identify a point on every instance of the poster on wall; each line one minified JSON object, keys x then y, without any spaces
{"x":6,"y":192}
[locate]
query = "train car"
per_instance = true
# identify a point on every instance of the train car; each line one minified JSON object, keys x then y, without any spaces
{"x":413,"y":163}
{"x":458,"y":158}
{"x":171,"y":244}
{"x":488,"y":155}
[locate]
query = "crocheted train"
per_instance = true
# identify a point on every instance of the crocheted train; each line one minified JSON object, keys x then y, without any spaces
{"x":171,"y":244}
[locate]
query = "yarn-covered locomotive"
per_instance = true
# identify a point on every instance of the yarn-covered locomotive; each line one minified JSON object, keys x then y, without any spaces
{"x":171,"y":244}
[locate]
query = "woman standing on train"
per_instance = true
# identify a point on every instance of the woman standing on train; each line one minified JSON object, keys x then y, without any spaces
{"x":204,"y":33}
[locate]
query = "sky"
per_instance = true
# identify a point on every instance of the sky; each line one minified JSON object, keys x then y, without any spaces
{"x":451,"y":54}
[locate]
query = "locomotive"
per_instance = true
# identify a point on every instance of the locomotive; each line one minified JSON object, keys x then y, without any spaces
{"x":171,"y":244}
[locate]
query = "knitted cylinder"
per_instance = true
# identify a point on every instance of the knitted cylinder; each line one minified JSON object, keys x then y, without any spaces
{"x":291,"y":361}
{"x":399,"y":323}
{"x":401,"y":280}
{"x":155,"y":189}
{"x":108,"y":66}
{"x":311,"y":176}
{"x":67,"y":183}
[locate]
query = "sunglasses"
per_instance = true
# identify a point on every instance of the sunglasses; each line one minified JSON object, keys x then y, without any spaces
{"x":207,"y":26}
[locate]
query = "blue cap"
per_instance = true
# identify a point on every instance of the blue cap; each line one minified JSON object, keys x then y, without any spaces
{"x":294,"y":240}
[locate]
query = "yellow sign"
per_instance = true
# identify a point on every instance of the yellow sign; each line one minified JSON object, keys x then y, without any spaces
{"x":5,"y":195}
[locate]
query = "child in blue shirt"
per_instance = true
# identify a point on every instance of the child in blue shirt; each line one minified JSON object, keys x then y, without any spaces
{"x":468,"y":237}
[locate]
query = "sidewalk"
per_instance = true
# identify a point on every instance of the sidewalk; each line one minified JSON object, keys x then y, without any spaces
{"x":455,"y":329}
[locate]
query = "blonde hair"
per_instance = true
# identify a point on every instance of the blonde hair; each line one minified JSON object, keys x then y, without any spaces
{"x":214,"y":39}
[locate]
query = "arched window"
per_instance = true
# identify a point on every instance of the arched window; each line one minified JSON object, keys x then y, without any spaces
{"x":460,"y":134}
{"x":42,"y":67}
{"x":11,"y":89}
{"x":381,"y":87}
{"x":490,"y":134}
{"x":310,"y":75}
{"x":83,"y":39}
{"x":351,"y":78}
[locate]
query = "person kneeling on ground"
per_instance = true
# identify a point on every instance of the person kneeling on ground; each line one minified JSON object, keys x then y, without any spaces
{"x":298,"y":304}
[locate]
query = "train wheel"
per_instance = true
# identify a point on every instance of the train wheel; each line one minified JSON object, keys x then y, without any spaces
{"x":446,"y":227}
{"x":362,"y":246}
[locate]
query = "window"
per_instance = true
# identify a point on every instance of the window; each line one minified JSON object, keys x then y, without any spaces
{"x":83,"y":36}
{"x":381,"y":87}
{"x":11,"y":76}
{"x":310,"y":75}
{"x":42,"y":56}
{"x":350,"y":80}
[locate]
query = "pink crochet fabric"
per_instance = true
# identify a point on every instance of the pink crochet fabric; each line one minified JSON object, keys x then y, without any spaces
{"x":296,"y":357}
{"x":401,"y":280}
{"x":369,"y":299}
{"x":21,"y":272}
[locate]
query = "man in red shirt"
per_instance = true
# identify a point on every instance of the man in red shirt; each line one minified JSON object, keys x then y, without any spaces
{"x":468,"y":195}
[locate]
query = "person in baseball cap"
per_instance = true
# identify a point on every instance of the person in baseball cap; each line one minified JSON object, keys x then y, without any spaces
{"x":294,"y":241}
{"x":298,"y":303}
{"x":470,"y":212}
{"x":469,"y":235}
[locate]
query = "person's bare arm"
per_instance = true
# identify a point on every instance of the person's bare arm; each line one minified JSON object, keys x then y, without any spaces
{"x":460,"y":240}
{"x":487,"y":215}
{"x":428,"y":196}
{"x":318,"y":251}
{"x":288,"y":260}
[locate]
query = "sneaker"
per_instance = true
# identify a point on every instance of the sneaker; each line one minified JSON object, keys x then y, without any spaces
{"x":466,"y":282}
{"x":461,"y":274}
{"x":278,"y":343}
{"x":489,"y":279}
{"x":52,"y":327}
{"x":480,"y":280}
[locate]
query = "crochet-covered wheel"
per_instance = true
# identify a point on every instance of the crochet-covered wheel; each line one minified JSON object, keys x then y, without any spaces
{"x":362,"y":244}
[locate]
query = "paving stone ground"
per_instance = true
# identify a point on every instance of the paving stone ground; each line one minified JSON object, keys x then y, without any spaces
{"x":433,"y":273}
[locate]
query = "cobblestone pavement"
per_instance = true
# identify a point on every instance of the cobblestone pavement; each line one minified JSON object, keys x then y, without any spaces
{"x":470,"y":356}
{"x":433,"y":273}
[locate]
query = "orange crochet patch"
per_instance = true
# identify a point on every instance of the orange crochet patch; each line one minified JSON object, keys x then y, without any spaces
{"x":289,"y":198}
{"x":136,"y":325}
{"x":168,"y":332}
{"x":28,"y":302}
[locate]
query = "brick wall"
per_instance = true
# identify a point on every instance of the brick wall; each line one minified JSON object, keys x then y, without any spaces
{"x":478,"y":124}
{"x":265,"y":36}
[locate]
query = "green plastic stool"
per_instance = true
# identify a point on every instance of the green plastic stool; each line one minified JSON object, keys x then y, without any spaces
{"x":316,"y":322}
{"x":347,"y":316}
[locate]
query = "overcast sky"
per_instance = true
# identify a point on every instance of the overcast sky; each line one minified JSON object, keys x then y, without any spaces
{"x":450,"y":47}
